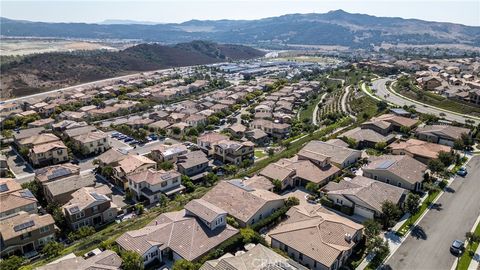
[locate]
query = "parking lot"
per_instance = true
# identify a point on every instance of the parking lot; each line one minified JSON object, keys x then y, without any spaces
{"x":131,"y":146}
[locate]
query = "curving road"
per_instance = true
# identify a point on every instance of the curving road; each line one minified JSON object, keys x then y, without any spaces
{"x":384,"y":93}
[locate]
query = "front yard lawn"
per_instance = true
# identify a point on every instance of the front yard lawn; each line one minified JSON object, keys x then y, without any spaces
{"x":412,"y":219}
{"x":260,"y":153}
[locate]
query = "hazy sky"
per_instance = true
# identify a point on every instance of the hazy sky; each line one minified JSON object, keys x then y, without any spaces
{"x":464,"y":12}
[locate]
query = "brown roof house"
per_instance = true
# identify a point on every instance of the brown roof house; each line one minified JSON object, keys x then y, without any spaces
{"x":60,"y":191}
{"x":259,"y":257}
{"x":207,"y":141}
{"x":12,"y":202}
{"x":150,"y":184}
{"x":193,"y":164}
{"x":441,"y":134}
{"x":402,"y":171}
{"x":164,"y":152}
{"x":233,"y":152}
{"x":48,"y":154}
{"x":25,"y":233}
{"x":130,"y":165}
{"x":316,"y":237}
{"x":340,"y":156}
{"x":367,"y":137}
{"x":246,"y":204}
{"x":364,"y":195}
{"x":420,"y":150}
{"x":91,"y":143}
{"x":186,"y":234}
{"x":90,"y":206}
{"x":105,"y":260}
{"x":306,"y":167}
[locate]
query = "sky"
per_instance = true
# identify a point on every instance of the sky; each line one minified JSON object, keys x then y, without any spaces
{"x":169,"y":11}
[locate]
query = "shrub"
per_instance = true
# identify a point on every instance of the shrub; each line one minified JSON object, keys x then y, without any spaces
{"x":11,"y":263}
{"x":52,"y":249}
{"x":273,"y":219}
{"x":325,"y":201}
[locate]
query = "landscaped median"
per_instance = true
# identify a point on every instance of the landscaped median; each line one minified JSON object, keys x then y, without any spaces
{"x":467,"y":256}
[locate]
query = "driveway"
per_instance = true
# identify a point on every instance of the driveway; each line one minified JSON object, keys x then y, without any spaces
{"x":439,"y":228}
{"x":385,"y":94}
{"x":21,"y":169}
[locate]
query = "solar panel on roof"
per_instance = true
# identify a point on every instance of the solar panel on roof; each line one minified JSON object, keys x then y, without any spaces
{"x":26,"y":194}
{"x":385,"y":164}
{"x":24,"y":226}
{"x":3,"y":187}
{"x":59,"y":173}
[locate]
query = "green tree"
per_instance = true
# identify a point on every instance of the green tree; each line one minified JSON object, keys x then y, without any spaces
{"x":213,"y":120}
{"x":446,"y":158}
{"x":372,"y":228}
{"x":312,"y":187}
{"x":11,"y":263}
{"x":52,"y":249}
{"x":176,"y":130}
{"x":436,"y":166}
{"x":412,"y":202}
{"x":380,"y":146}
{"x":277,"y":185}
{"x":211,"y":179}
{"x":140,"y":208}
{"x":131,"y":261}
{"x":430,"y":187}
{"x":270,"y":152}
{"x":390,"y":214}
{"x":292,"y":201}
{"x":166,"y":165}
{"x":184,"y":265}
{"x":248,"y":235}
{"x":382,"y":106}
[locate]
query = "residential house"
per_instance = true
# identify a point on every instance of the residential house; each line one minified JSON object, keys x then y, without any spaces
{"x":185,"y":234}
{"x":207,"y":141}
{"x":8,"y":185}
{"x":25,"y":234}
{"x":277,"y":130}
{"x":111,"y":157}
{"x":91,"y":143}
{"x":340,"y":156}
{"x":193,"y":164}
{"x":105,"y":260}
{"x":367,"y":137}
{"x":259,"y":257}
{"x":90,"y":206}
{"x":364,"y":196}
{"x":402,"y":171}
{"x":233,"y":152}
{"x":429,"y":82}
{"x":306,"y":167}
{"x":46,"y":123}
{"x":441,"y":134}
{"x":130,"y":165}
{"x":259,"y":182}
{"x":12,"y":202}
{"x":244,"y":203}
{"x":196,"y":120}
{"x":60,"y":191}
{"x":39,"y":139}
{"x":420,"y":150}
{"x":258,"y":137}
{"x":237,"y":130}
{"x":48,"y":153}
{"x":150,"y":184}
{"x":22,"y":134}
{"x":316,"y":238}
{"x":170,"y":153}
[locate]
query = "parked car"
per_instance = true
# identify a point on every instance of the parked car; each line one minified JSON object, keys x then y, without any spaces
{"x":75,"y":161}
{"x":457,"y":247}
{"x":462,"y":172}
{"x":128,"y":139}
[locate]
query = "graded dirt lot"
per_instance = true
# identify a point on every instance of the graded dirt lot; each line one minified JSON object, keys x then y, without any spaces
{"x":26,"y":46}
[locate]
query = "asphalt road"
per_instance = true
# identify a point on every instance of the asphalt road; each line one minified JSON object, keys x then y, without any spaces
{"x":383,"y":93}
{"x":460,"y":209}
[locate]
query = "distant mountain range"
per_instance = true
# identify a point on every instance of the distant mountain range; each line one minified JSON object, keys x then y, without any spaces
{"x":332,"y":28}
{"x":41,"y":72}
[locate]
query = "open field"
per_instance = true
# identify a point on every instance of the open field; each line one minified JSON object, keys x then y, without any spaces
{"x":9,"y":47}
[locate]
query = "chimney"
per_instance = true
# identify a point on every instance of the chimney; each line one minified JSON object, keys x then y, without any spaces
{"x":348,"y":237}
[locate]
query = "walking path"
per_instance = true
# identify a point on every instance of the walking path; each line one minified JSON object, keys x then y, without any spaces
{"x":315,"y":110}
{"x":344,"y":102}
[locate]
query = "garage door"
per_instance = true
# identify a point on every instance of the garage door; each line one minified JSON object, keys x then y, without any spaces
{"x":364,"y":212}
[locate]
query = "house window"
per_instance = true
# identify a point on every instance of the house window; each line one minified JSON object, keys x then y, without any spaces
{"x":400,"y":184}
{"x":95,"y":208}
{"x":44,"y":229}
{"x":175,"y":180}
{"x":164,"y":184}
{"x":80,"y":215}
{"x":375,"y":177}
